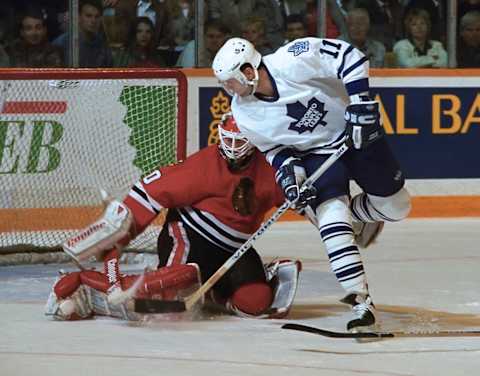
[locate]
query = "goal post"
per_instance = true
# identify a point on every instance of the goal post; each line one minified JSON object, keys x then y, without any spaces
{"x":67,"y":133}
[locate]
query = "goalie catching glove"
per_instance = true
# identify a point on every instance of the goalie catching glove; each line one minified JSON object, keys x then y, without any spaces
{"x":364,"y":124}
{"x":290,"y":176}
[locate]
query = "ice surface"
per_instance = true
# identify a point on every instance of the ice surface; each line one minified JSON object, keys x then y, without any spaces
{"x":422,"y":274}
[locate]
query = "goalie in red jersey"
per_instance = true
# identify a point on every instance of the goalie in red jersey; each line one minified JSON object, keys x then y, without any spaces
{"x":216,"y":198}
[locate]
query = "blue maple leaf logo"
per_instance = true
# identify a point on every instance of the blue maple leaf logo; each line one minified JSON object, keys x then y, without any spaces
{"x":308,"y":118}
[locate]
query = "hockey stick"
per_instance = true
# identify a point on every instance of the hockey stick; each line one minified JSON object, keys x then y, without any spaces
{"x":164,"y":306}
{"x":393,"y":334}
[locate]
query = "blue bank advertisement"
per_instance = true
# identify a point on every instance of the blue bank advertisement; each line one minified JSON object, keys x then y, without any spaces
{"x":434,"y":132}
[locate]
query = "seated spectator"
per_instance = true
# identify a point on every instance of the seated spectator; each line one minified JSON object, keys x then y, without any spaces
{"x":418,"y":50}
{"x":468,"y":55}
{"x":141,"y":50}
{"x":358,"y":27}
{"x":273,"y":13}
{"x":183,"y":22}
{"x":436,"y":10}
{"x":93,"y":49}
{"x":234,"y":12}
{"x":32,"y":49}
{"x":216,"y":34}
{"x":385,"y":19}
{"x":127,"y":11}
{"x":253,"y":30}
{"x":295,"y":28}
{"x":15,"y":9}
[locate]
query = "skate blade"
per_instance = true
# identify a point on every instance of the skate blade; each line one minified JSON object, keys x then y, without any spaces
{"x":366,"y":329}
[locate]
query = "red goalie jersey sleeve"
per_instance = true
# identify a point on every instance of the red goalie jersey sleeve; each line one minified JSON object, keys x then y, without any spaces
{"x":204,"y":182}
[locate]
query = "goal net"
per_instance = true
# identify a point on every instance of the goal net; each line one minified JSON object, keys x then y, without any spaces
{"x":66,"y":134}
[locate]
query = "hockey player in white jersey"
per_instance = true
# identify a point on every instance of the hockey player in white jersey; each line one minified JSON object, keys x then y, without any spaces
{"x":297,"y":106}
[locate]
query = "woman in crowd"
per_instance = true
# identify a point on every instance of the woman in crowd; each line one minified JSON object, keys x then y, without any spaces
{"x":418,"y":50}
{"x":141,"y":49}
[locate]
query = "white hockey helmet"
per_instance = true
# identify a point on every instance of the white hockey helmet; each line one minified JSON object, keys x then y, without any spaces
{"x":233,"y":144}
{"x":231,"y":57}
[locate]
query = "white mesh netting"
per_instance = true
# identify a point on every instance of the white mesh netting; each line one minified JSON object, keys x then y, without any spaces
{"x":61,"y":141}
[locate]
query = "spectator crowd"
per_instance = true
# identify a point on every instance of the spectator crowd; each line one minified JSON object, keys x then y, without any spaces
{"x":161,"y":33}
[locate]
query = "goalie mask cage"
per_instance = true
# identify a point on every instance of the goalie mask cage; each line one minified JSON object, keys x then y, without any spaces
{"x":65,"y":134}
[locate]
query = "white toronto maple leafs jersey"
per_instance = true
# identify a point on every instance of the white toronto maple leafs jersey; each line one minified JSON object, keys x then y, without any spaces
{"x":312,"y":79}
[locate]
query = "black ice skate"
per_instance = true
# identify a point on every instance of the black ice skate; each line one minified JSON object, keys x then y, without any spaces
{"x":363,"y":311}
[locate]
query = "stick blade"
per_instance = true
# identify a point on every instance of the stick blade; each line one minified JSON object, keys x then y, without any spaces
{"x":330,"y":334}
{"x":159,"y":306}
{"x":378,"y":335}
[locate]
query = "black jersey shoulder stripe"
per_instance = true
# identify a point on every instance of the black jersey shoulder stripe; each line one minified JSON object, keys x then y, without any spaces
{"x":141,"y":196}
{"x":207,"y":232}
{"x":221,"y":228}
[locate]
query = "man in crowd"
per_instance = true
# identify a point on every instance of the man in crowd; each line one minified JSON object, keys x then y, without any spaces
{"x":216,"y":33}
{"x":32,"y":49}
{"x":468,"y":55}
{"x":358,"y":28}
{"x":295,"y":27}
{"x":93,"y":49}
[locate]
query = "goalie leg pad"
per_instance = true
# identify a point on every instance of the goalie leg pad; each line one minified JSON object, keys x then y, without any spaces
{"x":66,"y":285}
{"x":102,"y":306}
{"x":169,"y":282}
{"x":95,"y":280}
{"x":102,"y":235}
{"x":283,"y":276}
{"x":69,"y":299}
{"x":99,"y":286}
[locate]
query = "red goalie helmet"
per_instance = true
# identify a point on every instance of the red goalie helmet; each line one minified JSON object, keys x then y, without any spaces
{"x":233,"y":144}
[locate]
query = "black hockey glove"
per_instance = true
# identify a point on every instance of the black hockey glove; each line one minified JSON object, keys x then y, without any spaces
{"x":364,"y":124}
{"x":290,"y":176}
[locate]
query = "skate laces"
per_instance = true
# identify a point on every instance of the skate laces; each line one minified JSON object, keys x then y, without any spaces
{"x":361,"y":308}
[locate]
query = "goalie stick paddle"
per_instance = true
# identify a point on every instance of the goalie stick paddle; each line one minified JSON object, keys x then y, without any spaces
{"x":393,"y":334}
{"x":165,"y":306}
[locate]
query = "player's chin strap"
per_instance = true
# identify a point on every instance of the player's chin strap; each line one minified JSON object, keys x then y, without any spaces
{"x":254,"y":83}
